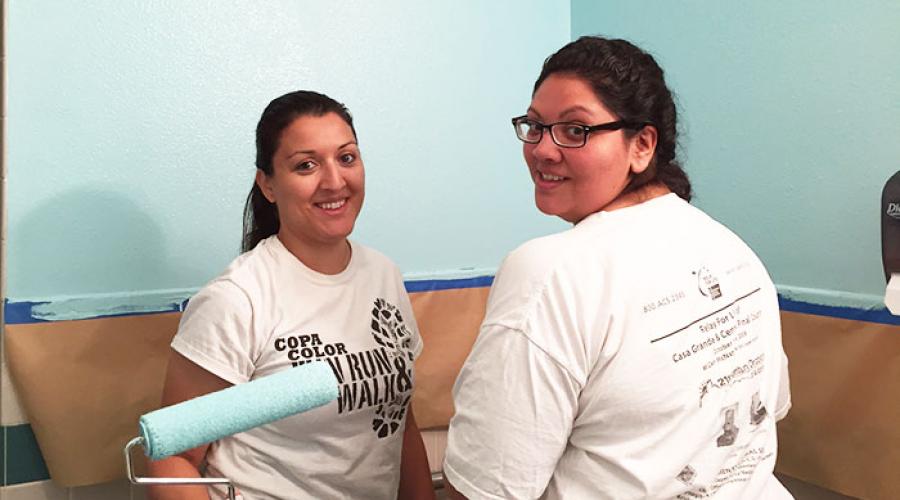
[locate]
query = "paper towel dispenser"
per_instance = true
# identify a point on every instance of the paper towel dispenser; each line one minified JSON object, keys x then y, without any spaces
{"x":890,"y":241}
{"x":890,"y":226}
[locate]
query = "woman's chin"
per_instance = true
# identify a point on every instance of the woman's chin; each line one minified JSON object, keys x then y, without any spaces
{"x":547,"y":207}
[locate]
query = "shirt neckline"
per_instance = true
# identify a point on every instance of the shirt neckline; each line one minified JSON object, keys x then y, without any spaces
{"x":290,"y":261}
{"x":666,"y":198}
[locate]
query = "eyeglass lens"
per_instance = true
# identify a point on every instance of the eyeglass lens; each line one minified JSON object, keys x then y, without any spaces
{"x":564,"y":134}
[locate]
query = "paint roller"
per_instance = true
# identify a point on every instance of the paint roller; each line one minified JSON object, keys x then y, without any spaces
{"x":177,"y":428}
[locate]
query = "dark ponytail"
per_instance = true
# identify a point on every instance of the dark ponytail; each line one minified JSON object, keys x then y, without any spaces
{"x":260,"y":219}
{"x":260,"y":215}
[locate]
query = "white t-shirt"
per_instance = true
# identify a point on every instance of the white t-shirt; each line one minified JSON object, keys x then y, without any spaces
{"x":268,"y":312}
{"x":636,"y":355}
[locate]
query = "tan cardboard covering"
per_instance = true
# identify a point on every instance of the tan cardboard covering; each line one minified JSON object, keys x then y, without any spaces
{"x":84,"y":384}
{"x":843,"y":431}
{"x":448,"y":321}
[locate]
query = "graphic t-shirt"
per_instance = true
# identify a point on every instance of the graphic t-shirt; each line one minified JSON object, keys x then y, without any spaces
{"x":636,"y":355}
{"x":268,"y":312}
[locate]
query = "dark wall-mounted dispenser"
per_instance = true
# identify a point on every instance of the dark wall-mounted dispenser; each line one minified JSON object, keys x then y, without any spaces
{"x":890,"y":242}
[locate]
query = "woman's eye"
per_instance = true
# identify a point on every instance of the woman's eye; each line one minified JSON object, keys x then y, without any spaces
{"x":304,"y":166}
{"x":573,"y":131}
{"x":531,"y":128}
{"x":348,"y":158}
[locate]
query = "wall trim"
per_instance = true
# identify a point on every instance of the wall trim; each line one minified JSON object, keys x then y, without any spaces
{"x":847,"y":305}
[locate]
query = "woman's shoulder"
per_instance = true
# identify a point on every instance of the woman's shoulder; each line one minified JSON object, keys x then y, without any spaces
{"x":245,"y":273}
{"x":543,"y":250}
{"x":372,"y":261}
{"x":370,"y":255}
{"x":540,"y":258}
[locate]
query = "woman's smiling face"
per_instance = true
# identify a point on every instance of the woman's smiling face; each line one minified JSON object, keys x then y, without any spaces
{"x":572,"y":183}
{"x":317,"y":181}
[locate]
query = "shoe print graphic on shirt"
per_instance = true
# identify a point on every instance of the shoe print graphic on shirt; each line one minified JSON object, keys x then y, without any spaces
{"x":390,"y":331}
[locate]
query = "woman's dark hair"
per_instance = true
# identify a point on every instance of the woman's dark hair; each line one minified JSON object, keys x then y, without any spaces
{"x":261,"y":216}
{"x":630,"y":83}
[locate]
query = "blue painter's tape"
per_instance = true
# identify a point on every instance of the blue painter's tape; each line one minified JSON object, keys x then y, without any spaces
{"x":879,"y":315}
{"x":17,"y":313}
{"x":432,"y":285}
{"x":24,"y":312}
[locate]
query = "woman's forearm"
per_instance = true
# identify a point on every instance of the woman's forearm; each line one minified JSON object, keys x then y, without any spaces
{"x":415,"y":475}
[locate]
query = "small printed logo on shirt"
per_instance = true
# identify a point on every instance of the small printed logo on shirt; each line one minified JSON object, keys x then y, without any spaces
{"x":708,"y":283}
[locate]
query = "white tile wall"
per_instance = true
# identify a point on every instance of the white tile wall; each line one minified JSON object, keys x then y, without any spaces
{"x":116,"y":490}
{"x":40,"y":490}
{"x":11,"y":412}
{"x":48,"y":490}
{"x":138,"y":492}
{"x":435,"y":445}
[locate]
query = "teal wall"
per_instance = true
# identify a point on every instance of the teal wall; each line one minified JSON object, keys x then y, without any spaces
{"x":130,"y":144}
{"x":791,"y":125}
{"x":130,"y":128}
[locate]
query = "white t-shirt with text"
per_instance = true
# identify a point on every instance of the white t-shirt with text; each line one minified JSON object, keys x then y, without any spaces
{"x":268,"y":312}
{"x":635,"y":355}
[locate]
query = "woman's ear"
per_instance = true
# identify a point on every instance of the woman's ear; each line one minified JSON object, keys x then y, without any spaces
{"x":643,"y":145}
{"x":265,"y":185}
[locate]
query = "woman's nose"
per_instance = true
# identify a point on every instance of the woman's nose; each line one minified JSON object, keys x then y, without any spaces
{"x":332,"y":177}
{"x":546,"y":149}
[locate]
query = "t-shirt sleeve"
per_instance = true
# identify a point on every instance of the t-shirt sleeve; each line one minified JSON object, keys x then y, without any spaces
{"x":416,"y":343}
{"x":784,"y":390}
{"x":514,"y":411}
{"x":216,"y":332}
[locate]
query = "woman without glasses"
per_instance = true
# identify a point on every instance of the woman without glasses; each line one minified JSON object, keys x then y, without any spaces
{"x":303,"y":292}
{"x":637,"y":354}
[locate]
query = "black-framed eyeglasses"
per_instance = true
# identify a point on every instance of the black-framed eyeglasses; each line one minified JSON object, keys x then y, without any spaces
{"x":565,"y":134}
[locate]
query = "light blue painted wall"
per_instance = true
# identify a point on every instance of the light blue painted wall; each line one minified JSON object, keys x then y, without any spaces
{"x":130,"y":129}
{"x":792,"y":124}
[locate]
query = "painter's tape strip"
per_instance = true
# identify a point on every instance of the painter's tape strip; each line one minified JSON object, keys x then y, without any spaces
{"x":24,"y":312}
{"x":872,"y":315}
{"x":18,"y":313}
{"x":433,"y":285}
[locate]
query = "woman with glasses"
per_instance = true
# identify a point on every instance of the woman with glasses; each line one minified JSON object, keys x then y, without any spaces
{"x":303,"y":292}
{"x":637,"y":354}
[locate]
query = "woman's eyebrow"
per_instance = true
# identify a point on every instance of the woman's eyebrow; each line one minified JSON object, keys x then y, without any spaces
{"x":302,"y":152}
{"x":575,"y":109}
{"x":313,"y":152}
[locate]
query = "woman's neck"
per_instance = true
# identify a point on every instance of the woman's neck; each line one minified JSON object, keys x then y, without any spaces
{"x":644,"y":193}
{"x":325,"y":258}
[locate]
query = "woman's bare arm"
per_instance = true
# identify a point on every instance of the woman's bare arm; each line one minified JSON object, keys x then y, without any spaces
{"x":184,"y":380}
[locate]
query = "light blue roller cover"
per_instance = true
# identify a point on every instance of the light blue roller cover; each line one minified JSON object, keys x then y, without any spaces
{"x":201,"y":420}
